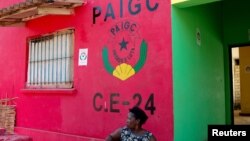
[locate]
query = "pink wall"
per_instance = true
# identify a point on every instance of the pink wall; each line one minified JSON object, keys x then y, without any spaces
{"x":6,"y":3}
{"x":72,"y":116}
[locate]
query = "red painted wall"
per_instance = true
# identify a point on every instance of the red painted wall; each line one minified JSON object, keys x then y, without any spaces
{"x":74,"y":116}
{"x":6,"y":3}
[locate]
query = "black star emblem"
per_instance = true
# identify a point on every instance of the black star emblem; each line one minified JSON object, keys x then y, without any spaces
{"x":123,"y":44}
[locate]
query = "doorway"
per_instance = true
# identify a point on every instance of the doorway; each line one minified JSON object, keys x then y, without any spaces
{"x":240,"y":68}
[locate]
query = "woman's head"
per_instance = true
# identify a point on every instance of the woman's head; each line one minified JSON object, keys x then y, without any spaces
{"x":136,"y":117}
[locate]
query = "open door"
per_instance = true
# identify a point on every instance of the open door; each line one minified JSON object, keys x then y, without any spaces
{"x":240,"y":57}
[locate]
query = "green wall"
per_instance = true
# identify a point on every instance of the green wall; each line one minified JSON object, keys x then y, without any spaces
{"x":198,"y":71}
{"x":236,"y":22}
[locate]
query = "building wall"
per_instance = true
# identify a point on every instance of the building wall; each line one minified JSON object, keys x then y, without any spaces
{"x":236,"y":78}
{"x":198,"y":71}
{"x":65,"y":116}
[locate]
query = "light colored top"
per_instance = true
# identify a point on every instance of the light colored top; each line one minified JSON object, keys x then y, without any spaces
{"x":127,"y":135}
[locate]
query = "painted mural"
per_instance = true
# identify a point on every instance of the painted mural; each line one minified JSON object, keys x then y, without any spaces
{"x":125,"y":39}
{"x":124,"y":53}
{"x":123,"y":45}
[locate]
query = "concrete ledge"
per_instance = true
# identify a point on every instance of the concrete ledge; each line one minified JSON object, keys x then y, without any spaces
{"x":189,"y":3}
{"x":15,"y":137}
{"x":43,"y":135}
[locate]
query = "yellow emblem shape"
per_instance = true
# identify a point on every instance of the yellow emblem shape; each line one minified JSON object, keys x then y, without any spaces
{"x":123,"y":71}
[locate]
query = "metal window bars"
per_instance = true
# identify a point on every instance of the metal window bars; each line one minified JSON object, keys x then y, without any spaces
{"x":51,"y":61}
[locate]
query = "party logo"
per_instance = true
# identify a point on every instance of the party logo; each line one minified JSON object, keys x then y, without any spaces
{"x":125,"y":52}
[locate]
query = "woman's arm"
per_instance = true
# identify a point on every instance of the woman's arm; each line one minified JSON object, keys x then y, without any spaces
{"x":114,"y":136}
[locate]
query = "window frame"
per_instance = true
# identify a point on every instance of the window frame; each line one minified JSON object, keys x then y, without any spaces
{"x":53,"y":86}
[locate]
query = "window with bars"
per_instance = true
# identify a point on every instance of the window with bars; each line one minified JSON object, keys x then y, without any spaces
{"x":50,"y":61}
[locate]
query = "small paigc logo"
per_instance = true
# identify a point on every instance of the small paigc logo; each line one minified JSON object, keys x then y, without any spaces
{"x":129,"y":50}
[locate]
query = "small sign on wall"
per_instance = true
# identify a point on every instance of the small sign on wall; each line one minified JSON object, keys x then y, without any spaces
{"x":83,"y":57}
{"x":198,"y":37}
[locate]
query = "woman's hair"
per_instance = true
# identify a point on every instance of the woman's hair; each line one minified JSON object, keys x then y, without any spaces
{"x":139,"y":114}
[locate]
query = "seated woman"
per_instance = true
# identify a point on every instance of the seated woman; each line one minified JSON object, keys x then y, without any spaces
{"x":133,"y":131}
